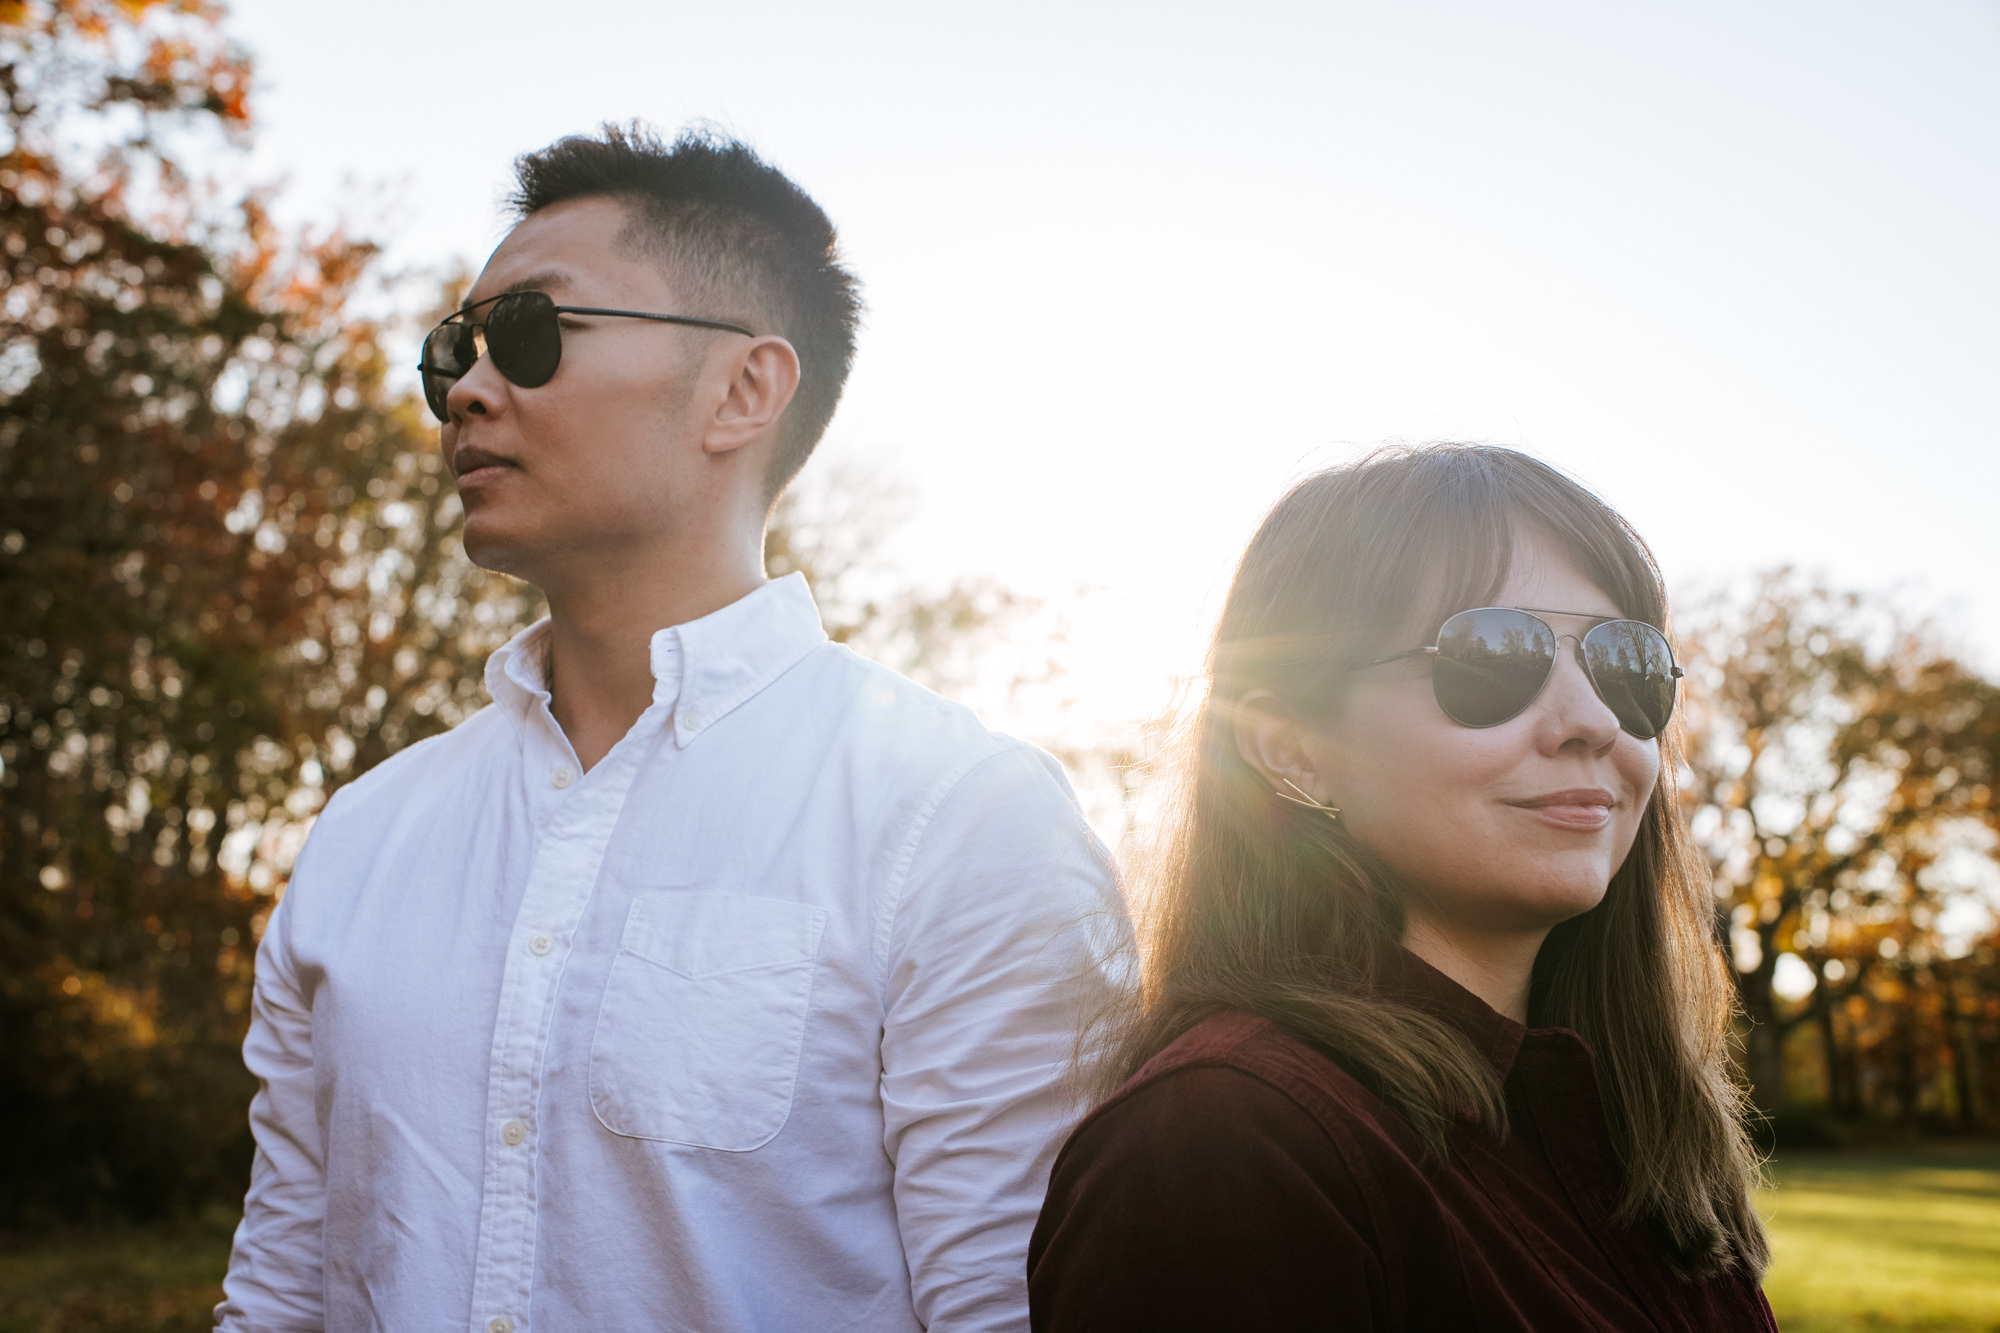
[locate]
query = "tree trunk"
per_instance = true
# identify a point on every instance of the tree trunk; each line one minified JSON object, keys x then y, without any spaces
{"x":1963,"y":1045}
{"x":1908,"y":1089}
{"x":1764,"y":1044}
{"x":1840,"y":1095}
{"x":1764,"y":1050}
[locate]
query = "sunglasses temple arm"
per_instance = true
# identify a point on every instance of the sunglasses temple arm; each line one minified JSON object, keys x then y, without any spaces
{"x":1394,"y":657}
{"x":662,"y":319}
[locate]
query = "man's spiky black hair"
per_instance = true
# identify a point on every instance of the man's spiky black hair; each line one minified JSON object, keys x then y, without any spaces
{"x":735,"y":231}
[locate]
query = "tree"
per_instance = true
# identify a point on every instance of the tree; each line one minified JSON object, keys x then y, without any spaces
{"x":225,"y":584}
{"x":229,"y":581}
{"x":1841,"y":773}
{"x":831,"y":526}
{"x":972,"y":639}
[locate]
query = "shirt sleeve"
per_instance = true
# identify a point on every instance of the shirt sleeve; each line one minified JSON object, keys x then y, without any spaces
{"x":1205,"y":1199}
{"x":1007,"y":933}
{"x":274,"y":1280}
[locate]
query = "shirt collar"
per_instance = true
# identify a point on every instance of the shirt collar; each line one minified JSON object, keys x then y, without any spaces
{"x":516,"y":675}
{"x":729,"y":656}
{"x":705,"y":668}
{"x":1411,"y":980}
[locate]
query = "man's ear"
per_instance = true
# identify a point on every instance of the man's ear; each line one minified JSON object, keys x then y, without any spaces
{"x":763,"y":377}
{"x":1271,"y":741}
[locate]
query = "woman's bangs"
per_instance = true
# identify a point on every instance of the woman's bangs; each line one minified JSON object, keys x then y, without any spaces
{"x":1471,"y":556}
{"x":1474,"y":531}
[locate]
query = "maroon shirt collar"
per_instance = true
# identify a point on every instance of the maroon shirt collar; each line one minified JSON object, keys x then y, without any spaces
{"x":1409,"y":979}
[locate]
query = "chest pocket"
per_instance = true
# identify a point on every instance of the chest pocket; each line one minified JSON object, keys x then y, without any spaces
{"x":703,"y":1019}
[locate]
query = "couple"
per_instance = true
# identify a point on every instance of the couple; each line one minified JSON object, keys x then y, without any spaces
{"x":716,"y":979}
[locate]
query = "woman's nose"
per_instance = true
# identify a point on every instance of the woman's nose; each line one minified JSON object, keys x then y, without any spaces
{"x":1574,"y":710}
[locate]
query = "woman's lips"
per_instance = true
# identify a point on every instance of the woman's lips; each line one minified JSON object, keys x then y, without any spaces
{"x":1579,"y":808}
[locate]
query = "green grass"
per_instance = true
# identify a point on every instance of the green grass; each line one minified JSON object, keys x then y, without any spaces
{"x":1887,"y":1239}
{"x":1907,"y":1239}
{"x":160,"y":1279}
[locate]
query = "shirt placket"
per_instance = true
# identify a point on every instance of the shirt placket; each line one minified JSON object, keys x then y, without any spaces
{"x":1569,"y":1115}
{"x":563,"y":873}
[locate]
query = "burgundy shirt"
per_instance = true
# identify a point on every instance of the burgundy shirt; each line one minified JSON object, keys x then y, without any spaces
{"x":1243,"y":1180}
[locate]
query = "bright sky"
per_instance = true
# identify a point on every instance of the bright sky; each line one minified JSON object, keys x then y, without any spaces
{"x":1132,"y":268}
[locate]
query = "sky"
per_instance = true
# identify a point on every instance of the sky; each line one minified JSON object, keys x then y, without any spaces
{"x":1132,"y":269}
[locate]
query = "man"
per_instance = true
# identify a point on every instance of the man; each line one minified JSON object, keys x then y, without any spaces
{"x":713,"y":978}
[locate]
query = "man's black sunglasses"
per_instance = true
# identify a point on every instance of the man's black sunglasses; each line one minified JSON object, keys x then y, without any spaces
{"x":1491,"y":662}
{"x":523,"y":334}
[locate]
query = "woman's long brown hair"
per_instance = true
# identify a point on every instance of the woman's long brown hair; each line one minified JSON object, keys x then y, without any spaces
{"x":1254,"y":904}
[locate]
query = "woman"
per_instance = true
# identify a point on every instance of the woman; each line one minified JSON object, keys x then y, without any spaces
{"x":1431,"y":1032}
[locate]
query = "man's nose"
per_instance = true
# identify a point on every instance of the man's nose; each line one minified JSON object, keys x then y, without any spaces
{"x":478,"y":392}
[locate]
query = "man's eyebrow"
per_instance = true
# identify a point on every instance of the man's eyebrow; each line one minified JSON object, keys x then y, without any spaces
{"x":533,"y":282}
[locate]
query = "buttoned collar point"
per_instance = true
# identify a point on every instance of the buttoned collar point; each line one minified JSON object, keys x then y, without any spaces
{"x":728,"y":657}
{"x":706,"y":668}
{"x":516,"y":678}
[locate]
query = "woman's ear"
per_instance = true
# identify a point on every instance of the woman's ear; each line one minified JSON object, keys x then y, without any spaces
{"x":1272,"y":742}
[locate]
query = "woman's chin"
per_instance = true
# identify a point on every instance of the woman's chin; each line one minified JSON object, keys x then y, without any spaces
{"x":1571,"y":902}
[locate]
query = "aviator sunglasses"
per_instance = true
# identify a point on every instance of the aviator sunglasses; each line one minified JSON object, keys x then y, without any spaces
{"x":523,"y":334}
{"x":1491,"y":662}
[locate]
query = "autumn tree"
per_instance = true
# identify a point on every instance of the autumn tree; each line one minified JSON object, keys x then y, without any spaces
{"x":1841,"y":779}
{"x":226,"y":583}
{"x":831,"y":526}
{"x":229,"y":581}
{"x":970,"y":637}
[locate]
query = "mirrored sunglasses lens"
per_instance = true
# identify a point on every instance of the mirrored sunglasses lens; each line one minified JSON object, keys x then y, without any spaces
{"x":524,"y":337}
{"x":1490,"y":665}
{"x":435,"y":389}
{"x":449,"y":352}
{"x":1633,"y":670}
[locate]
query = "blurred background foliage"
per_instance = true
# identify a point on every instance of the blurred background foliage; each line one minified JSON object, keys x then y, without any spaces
{"x":1841,"y":778}
{"x":230,"y":581}
{"x":228,"y":584}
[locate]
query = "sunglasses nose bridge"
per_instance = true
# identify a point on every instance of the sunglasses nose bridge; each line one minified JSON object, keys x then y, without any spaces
{"x":470,"y":392}
{"x":1576,"y":651}
{"x":447,"y":365}
{"x":1582,"y":660}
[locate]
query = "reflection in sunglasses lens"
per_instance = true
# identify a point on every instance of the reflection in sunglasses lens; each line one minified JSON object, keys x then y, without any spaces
{"x":1490,"y":664}
{"x":521,"y":332}
{"x":1632,"y":668}
{"x":448,"y":353}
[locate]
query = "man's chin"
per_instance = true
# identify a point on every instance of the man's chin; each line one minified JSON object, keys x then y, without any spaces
{"x":498,"y":552}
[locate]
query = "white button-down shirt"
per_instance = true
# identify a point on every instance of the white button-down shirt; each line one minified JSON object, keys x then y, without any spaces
{"x":758,"y":1024}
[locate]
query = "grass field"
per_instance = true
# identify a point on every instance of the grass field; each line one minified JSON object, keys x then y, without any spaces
{"x":127,"y":1280}
{"x":1906,"y":1240}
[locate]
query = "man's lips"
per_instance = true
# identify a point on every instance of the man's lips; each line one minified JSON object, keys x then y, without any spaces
{"x":470,"y":459}
{"x":1578,"y":807}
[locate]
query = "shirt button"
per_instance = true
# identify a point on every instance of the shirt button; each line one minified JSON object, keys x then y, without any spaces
{"x":562,"y":777}
{"x":540,"y":944}
{"x":693,"y":719}
{"x":502,"y":1325}
{"x":515,"y":1134}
